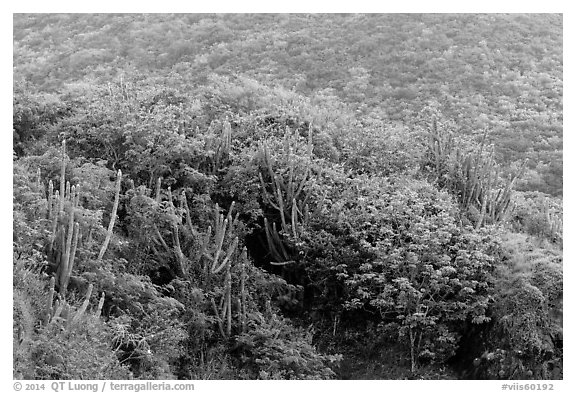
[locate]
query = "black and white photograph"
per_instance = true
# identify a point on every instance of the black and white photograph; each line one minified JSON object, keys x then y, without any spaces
{"x":287,"y":196}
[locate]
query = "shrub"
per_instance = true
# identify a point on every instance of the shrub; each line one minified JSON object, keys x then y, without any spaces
{"x":525,"y":340}
{"x":58,"y":350}
{"x":84,"y":353}
{"x":538,"y":215}
{"x":426,"y":276}
{"x":28,"y":308}
{"x":525,"y":343}
{"x":274,"y":349}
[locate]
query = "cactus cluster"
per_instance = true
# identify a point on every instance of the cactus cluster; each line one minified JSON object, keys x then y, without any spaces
{"x":62,"y":207}
{"x":215,"y":258}
{"x":65,"y":231}
{"x":473,"y":177}
{"x":219,"y":259}
{"x":58,"y":309}
{"x":286,"y":193}
{"x":182,"y":263}
{"x":121,"y":92}
{"x":223,"y":311}
{"x":441,"y":146}
{"x":220,"y":144}
{"x":64,"y":240}
{"x":554,"y":221}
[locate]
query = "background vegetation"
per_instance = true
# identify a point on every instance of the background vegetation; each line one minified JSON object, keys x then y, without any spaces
{"x":287,"y":196}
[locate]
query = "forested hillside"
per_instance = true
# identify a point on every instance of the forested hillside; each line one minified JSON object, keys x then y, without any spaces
{"x":287,"y":196}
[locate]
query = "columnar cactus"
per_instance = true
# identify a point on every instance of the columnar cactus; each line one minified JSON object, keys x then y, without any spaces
{"x":472,"y":176}
{"x":223,"y":312}
{"x":50,"y":305}
{"x":66,"y":232}
{"x":222,"y":227}
{"x":64,"y":228}
{"x":59,"y":310}
{"x":78,"y":315}
{"x":112,"y":217}
{"x":217,"y":257}
{"x":221,"y":145}
{"x":242,"y":297}
{"x":100,"y":304}
{"x":287,"y":194}
{"x":158,"y":188}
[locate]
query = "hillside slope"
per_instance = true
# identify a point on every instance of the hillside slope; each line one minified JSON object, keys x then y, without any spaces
{"x":497,"y":72}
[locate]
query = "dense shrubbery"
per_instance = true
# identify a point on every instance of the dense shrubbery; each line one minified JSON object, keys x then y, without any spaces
{"x":393,"y":250}
{"x":214,"y":227}
{"x":524,"y":341}
{"x":538,"y":215}
{"x":150,"y":331}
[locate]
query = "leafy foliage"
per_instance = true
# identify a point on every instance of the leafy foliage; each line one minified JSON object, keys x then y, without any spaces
{"x":526,"y":338}
{"x":252,"y":196}
{"x":427,"y":275}
{"x":275,"y":350}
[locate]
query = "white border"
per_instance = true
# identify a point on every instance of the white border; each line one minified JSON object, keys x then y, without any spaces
{"x":308,"y":7}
